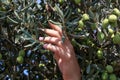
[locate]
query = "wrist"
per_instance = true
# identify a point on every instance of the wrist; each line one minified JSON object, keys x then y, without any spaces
{"x":74,"y":73}
{"x":72,"y":77}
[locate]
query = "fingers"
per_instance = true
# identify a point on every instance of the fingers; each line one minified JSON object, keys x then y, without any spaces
{"x":56,"y":31}
{"x":50,"y":47}
{"x":52,"y":33}
{"x":57,"y":57}
{"x":55,"y":27}
{"x":52,"y":40}
{"x":57,"y":50}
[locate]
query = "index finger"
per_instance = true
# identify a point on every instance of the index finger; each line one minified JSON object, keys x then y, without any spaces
{"x":55,"y":27}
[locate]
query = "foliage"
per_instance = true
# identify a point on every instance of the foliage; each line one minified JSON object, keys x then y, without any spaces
{"x":93,"y":27}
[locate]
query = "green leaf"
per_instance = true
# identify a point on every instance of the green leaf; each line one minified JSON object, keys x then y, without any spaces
{"x":12,"y":20}
{"x":16,"y":14}
{"x":88,"y":69}
{"x":30,"y":45}
{"x":56,"y":23}
{"x":7,"y":2}
{"x":68,"y":13}
{"x":59,"y":11}
{"x":17,"y":38}
{"x":37,"y":47}
{"x":26,"y":33}
{"x":91,"y":14}
{"x":31,"y":4}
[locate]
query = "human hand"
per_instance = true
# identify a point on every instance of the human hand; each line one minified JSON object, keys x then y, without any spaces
{"x":63,"y":52}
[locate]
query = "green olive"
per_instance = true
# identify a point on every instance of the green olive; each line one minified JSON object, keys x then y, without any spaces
{"x":104,"y":76}
{"x":78,"y":10}
{"x":20,"y":59}
{"x":85,"y":17}
{"x":61,"y":1}
{"x":100,"y":54}
{"x":111,"y":31}
{"x":116,"y":11}
{"x":81,"y":24}
{"x":77,"y":1}
{"x":100,"y":36}
{"x":105,"y":23}
{"x":41,"y":65}
{"x":113,"y":77}
{"x":114,"y":63}
{"x":109,"y":69}
{"x":116,"y":38}
{"x":22,"y":53}
{"x":112,"y":18}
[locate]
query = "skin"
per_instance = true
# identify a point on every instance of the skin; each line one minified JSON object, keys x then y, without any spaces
{"x":63,"y":52}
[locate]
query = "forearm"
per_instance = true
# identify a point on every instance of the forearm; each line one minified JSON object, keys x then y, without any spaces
{"x":73,"y":77}
{"x":74,"y":72}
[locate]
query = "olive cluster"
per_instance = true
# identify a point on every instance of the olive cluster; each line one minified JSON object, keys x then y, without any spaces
{"x":108,"y":73}
{"x":110,"y":23}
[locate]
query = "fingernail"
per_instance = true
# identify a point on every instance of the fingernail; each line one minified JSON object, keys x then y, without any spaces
{"x":41,"y":38}
{"x":45,"y":45}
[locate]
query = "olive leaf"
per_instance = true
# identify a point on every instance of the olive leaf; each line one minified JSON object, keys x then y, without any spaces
{"x":56,"y":23}
{"x":59,"y":11}
{"x":12,"y":20}
{"x":30,"y":45}
{"x":88,"y":69}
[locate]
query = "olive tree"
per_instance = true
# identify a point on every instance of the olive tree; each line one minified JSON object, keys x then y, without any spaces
{"x":93,"y":27}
